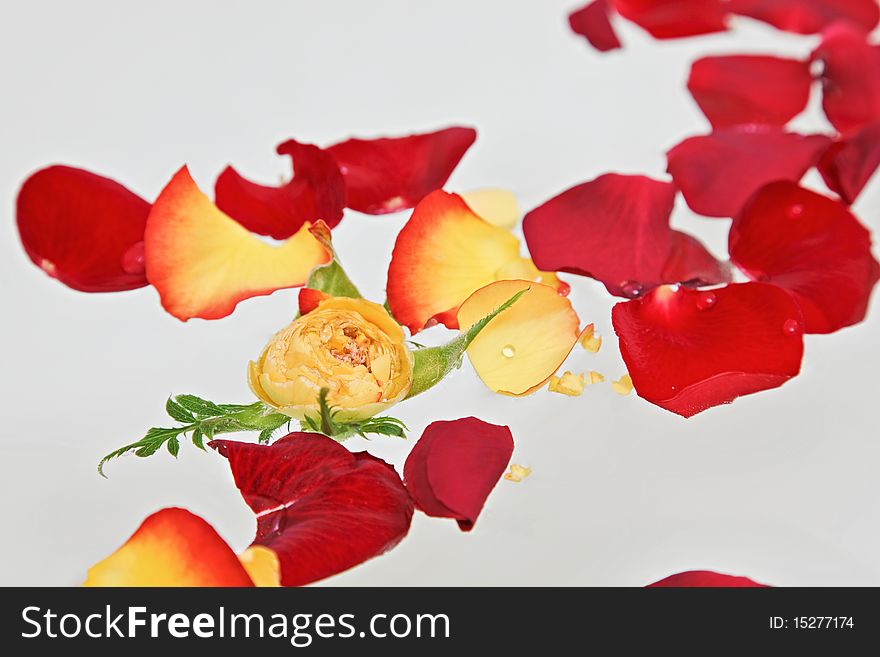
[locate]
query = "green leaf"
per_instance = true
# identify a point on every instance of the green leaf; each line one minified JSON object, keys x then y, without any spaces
{"x":173,"y":446}
{"x":197,"y":439}
{"x":178,"y":412}
{"x":331,"y":279}
{"x":326,"y":423}
{"x":198,"y":406}
{"x":432,"y":364}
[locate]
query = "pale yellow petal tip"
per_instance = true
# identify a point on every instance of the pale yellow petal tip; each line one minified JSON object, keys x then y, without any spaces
{"x":262,"y":565}
{"x":623,"y":385}
{"x":568,"y":384}
{"x":517,"y":473}
{"x":595,"y":377}
{"x":590,"y":340}
{"x":495,"y":206}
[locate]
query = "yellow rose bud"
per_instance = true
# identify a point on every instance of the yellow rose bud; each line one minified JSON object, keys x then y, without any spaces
{"x":353,"y":347}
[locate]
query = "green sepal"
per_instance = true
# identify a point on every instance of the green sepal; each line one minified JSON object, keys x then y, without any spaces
{"x":326,"y":423}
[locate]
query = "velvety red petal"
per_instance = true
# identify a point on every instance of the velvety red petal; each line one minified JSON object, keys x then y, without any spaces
{"x":320,"y":507}
{"x":811,"y":246}
{"x":83,"y":229}
{"x":688,"y":350}
{"x":316,"y":191}
{"x":849,"y":163}
{"x":394,"y":173}
{"x":850,"y":77}
{"x":593,"y":23}
{"x":808,"y":16}
{"x":717,"y":173}
{"x":736,"y":89}
{"x":309,"y":299}
{"x":671,"y":19}
{"x":455,"y":465}
{"x":616,"y":229}
{"x":705,"y":578}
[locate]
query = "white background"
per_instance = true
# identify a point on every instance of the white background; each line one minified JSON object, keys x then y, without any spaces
{"x":781,"y":486}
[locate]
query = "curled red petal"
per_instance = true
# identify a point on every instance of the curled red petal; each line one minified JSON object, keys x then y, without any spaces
{"x":850,"y":77}
{"x":320,"y":507}
{"x":849,"y":162}
{"x":83,"y":229}
{"x":616,"y":229}
{"x":811,"y":246}
{"x":455,"y":465}
{"x":808,"y":16}
{"x":316,"y":192}
{"x":309,"y":299}
{"x":688,"y":350}
{"x":394,"y":173}
{"x":717,"y":173}
{"x":671,"y":19}
{"x":736,"y":89}
{"x":705,"y":578}
{"x":594,"y":24}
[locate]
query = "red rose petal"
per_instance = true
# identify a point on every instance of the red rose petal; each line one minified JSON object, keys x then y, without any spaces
{"x":688,"y":350}
{"x":321,"y":508}
{"x":309,"y":299}
{"x":455,"y":465}
{"x":808,"y":16}
{"x":705,"y":578}
{"x":316,"y":191}
{"x":850,"y":77}
{"x":83,"y":229}
{"x":390,"y":174}
{"x":736,"y":89}
{"x":811,"y":246}
{"x":849,"y":163}
{"x":616,"y":229}
{"x":717,"y":173}
{"x":671,"y":19}
{"x":593,"y":23}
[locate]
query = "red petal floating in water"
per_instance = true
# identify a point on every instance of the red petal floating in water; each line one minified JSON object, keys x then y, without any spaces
{"x":813,"y":247}
{"x":316,"y":191}
{"x":701,"y":578}
{"x":321,"y":508}
{"x":616,"y":229}
{"x":390,"y":174}
{"x":688,"y":350}
{"x":737,"y":89}
{"x":671,"y":19}
{"x":850,"y":78}
{"x":808,"y":16}
{"x":83,"y":229}
{"x":849,"y":163}
{"x":717,"y":173}
{"x":593,"y":23}
{"x":455,"y":465}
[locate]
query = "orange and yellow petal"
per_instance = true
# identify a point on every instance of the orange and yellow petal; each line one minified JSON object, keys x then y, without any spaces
{"x":519,"y":350}
{"x":262,"y":565}
{"x":496,"y":206}
{"x":172,"y":547}
{"x":590,"y":340}
{"x":202,"y":262}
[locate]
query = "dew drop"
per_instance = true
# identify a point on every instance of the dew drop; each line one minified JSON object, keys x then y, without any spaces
{"x":49,"y":267}
{"x":706,"y":300}
{"x":508,"y":351}
{"x":792,"y":327}
{"x":133,"y":259}
{"x":796,"y":210}
{"x":326,"y":333}
{"x":631,"y":289}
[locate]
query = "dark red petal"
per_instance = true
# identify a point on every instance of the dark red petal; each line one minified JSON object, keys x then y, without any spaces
{"x":616,"y":229}
{"x":705,"y":578}
{"x":671,"y":19}
{"x":811,"y":246}
{"x":316,"y":191}
{"x":850,"y":78}
{"x":688,"y":350}
{"x":455,"y":465}
{"x":849,"y":163}
{"x":737,"y":89}
{"x":808,"y":16}
{"x":390,"y":174}
{"x":593,"y":23}
{"x":321,"y":508}
{"x":83,"y":229}
{"x":717,"y":173}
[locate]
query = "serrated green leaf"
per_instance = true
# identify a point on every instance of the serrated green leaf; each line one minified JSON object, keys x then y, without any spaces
{"x":178,"y":412}
{"x":197,"y":439}
{"x":198,"y":406}
{"x":173,"y":446}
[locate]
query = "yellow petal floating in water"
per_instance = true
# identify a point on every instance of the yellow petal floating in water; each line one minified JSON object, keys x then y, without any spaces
{"x":623,"y":385}
{"x":517,"y":473}
{"x":568,"y":384}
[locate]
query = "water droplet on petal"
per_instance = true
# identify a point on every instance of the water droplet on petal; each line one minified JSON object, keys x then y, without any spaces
{"x":326,"y":333}
{"x":508,"y":351}
{"x":796,"y":210}
{"x":631,"y":289}
{"x":49,"y":267}
{"x":706,"y":300}
{"x":792,"y":327}
{"x":133,"y":261}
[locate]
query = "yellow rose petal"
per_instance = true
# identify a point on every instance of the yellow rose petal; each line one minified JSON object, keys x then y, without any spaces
{"x":623,"y":385}
{"x":517,"y":473}
{"x":262,"y":565}
{"x":590,"y":340}
{"x":496,"y":206}
{"x":568,"y":384}
{"x":595,"y":377}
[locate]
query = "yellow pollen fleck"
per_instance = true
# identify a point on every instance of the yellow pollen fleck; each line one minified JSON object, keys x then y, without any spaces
{"x":623,"y":385}
{"x":568,"y":384}
{"x":517,"y":473}
{"x":590,"y":340}
{"x":595,"y":377}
